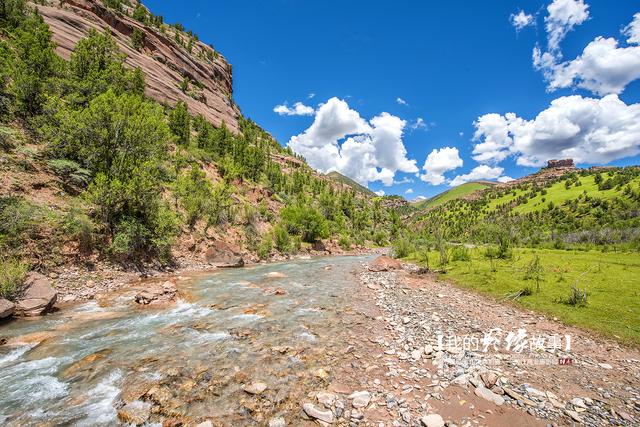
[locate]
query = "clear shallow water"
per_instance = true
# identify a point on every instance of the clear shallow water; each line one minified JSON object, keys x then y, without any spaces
{"x":231,"y":329}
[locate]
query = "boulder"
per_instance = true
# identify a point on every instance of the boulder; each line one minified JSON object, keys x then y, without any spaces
{"x":6,"y":308}
{"x":385,"y":263}
{"x":223,"y":255}
{"x":135,"y":413}
{"x":38,"y":296}
{"x":157,"y":293}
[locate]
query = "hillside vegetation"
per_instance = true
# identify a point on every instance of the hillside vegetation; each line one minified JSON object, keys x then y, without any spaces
{"x":459,"y":192}
{"x":93,"y":168}
{"x":567,"y":246}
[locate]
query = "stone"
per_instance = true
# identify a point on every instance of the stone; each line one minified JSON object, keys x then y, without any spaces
{"x":578,"y":403}
{"x":277,"y":422}
{"x":489,"y":379}
{"x":6,"y":308}
{"x":317,"y":414}
{"x":207,"y":423}
{"x":327,"y":399}
{"x":136,"y":413}
{"x":489,"y":395}
{"x":255,"y":388}
{"x":517,"y":396}
{"x":38,"y":296}
{"x":157,"y":293}
{"x":222,"y":255}
{"x":574,"y":415}
{"x":432,"y":420}
{"x":605,"y":366}
{"x":385,"y":263}
{"x":360,"y":399}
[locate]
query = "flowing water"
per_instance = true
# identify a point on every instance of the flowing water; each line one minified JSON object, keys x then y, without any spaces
{"x":234,"y":327}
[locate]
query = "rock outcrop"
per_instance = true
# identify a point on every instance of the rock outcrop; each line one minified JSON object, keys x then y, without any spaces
{"x":558,"y":164}
{"x":157,"y":293}
{"x":165,"y":63}
{"x":6,"y":308}
{"x":220,"y":254}
{"x":37,"y":298}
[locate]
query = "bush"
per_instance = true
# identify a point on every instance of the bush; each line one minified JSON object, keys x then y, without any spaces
{"x":402,"y":248}
{"x":305,"y":221}
{"x":265,"y":246}
{"x":282,"y":238}
{"x":12,"y":275}
{"x":460,"y":253}
{"x":137,"y":39}
{"x":79,"y":227}
{"x":344,"y":242}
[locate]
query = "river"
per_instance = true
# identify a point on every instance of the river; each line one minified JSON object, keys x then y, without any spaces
{"x":191,"y":360}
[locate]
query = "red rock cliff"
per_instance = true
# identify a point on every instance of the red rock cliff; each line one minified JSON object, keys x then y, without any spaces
{"x":164,"y":62}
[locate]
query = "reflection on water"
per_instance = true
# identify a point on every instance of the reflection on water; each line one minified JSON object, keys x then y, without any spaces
{"x":76,"y":367}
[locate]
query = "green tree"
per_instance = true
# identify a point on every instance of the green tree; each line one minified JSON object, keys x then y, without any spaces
{"x":180,"y":123}
{"x":137,"y":39}
{"x":305,"y":221}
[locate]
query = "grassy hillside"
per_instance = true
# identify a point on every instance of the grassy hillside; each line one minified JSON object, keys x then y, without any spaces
{"x":338,"y":177}
{"x":453,"y":194}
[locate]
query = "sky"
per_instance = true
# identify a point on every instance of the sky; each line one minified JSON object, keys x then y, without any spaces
{"x":412,"y":98}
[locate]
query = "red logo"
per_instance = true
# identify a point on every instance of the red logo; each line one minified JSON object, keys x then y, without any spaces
{"x":565,"y":361}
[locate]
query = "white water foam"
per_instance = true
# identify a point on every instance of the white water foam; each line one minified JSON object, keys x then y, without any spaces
{"x":14,"y":355}
{"x":99,"y":408}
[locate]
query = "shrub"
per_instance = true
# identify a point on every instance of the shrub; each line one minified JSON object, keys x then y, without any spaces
{"x":460,"y":253}
{"x":12,"y":275}
{"x":305,"y":221}
{"x":79,"y":227}
{"x":344,"y":242}
{"x":265,"y":246}
{"x":137,"y":39}
{"x":402,"y":248}
{"x":577,"y":298}
{"x":282,"y":238}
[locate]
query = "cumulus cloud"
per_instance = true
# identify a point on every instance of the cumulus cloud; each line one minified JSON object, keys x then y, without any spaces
{"x":438,"y":162}
{"x":298,"y":109}
{"x":409,"y":191}
{"x":604,"y":67}
{"x":419,"y":123}
{"x":563,"y":16}
{"x":588,"y":130}
{"x":379,"y":193}
{"x":633,"y":30}
{"x":521,"y":20}
{"x":477,"y":173}
{"x":339,"y":139}
{"x":401,"y":101}
{"x":505,"y":179}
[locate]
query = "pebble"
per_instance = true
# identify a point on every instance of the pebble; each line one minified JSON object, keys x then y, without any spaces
{"x":276,"y":422}
{"x":360,"y":399}
{"x":432,"y":420}
{"x":255,"y":388}
{"x":487,"y":394}
{"x":318,"y":414}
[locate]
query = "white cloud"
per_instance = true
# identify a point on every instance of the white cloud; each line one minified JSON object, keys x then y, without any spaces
{"x":563,"y":16}
{"x":299,"y":109}
{"x":438,"y":162}
{"x":521,"y":20}
{"x":505,"y":179}
{"x":379,"y":193}
{"x":311,"y":95}
{"x":419,"y":199}
{"x":602,"y":68}
{"x":478,"y":173}
{"x":419,"y":124}
{"x":588,"y":130}
{"x":409,"y":191}
{"x":633,"y":30}
{"x":366,"y":151}
{"x":405,"y":180}
{"x":401,"y":101}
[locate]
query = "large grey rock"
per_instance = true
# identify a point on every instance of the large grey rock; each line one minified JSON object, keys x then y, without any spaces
{"x":6,"y":308}
{"x":223,"y":255}
{"x":38,"y":296}
{"x":157,"y":293}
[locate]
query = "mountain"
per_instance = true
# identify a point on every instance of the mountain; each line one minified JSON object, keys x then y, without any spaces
{"x":459,"y":192}
{"x":338,"y":177}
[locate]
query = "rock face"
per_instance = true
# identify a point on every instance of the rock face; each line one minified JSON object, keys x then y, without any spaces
{"x":221,"y":254}
{"x":157,"y":293}
{"x":37,"y":298}
{"x":563,"y":163}
{"x":164,"y":62}
{"x":6,"y":308}
{"x":385,"y":263}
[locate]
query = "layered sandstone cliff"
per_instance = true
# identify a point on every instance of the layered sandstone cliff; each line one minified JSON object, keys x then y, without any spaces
{"x":164,"y":61}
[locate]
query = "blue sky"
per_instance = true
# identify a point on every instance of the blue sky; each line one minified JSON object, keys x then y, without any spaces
{"x":451,"y":62}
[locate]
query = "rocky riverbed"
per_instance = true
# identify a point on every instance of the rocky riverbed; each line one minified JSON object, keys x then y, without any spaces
{"x":348,"y":341}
